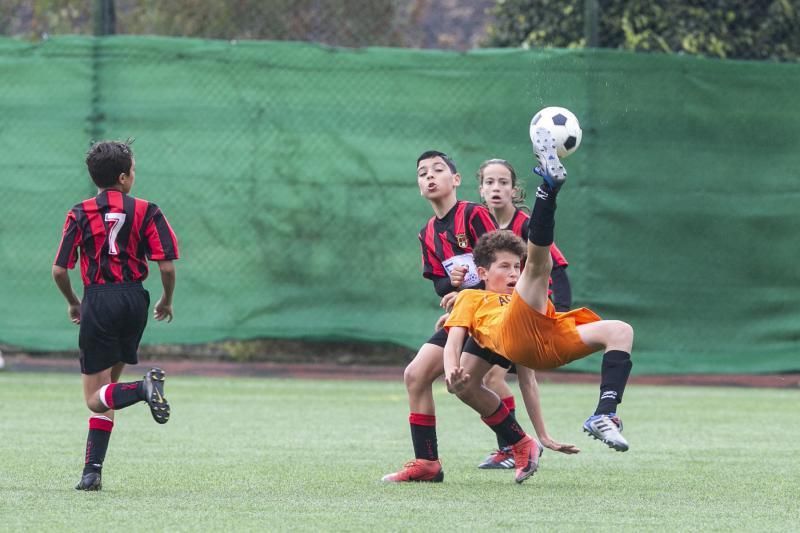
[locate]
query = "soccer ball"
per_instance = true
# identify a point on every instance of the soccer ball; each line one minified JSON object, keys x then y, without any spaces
{"x":564,"y":126}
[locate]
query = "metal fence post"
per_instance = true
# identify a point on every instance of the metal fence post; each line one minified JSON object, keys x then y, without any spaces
{"x":105,"y":19}
{"x":591,"y":11}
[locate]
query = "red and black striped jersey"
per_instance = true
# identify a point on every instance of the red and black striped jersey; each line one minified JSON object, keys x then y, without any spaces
{"x":452,"y":235}
{"x":116,"y":235}
{"x":519,"y":225}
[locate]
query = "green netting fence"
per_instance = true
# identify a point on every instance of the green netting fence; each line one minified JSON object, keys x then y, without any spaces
{"x":288,"y":173}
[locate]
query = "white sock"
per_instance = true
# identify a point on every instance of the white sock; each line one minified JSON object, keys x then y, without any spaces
{"x":102,"y":395}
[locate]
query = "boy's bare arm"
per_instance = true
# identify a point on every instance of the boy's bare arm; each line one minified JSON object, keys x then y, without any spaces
{"x":61,"y":277}
{"x":454,"y":376}
{"x":163,"y":309}
{"x":529,"y":388}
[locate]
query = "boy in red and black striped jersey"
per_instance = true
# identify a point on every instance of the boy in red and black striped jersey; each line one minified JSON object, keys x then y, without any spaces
{"x":447,"y":240}
{"x":114,"y":235}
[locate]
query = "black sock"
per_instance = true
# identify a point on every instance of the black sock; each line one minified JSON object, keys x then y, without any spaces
{"x":510,"y":404}
{"x":505,"y":425}
{"x":501,"y":442}
{"x":121,"y":395}
{"x":543,"y":222}
{"x":423,"y":436}
{"x":613,"y":377}
{"x":97,"y":443}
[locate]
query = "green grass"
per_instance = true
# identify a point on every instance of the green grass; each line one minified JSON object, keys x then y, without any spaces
{"x":281,"y":455}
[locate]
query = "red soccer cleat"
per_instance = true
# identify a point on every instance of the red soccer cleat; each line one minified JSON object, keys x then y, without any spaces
{"x":526,"y":459}
{"x":417,"y":470}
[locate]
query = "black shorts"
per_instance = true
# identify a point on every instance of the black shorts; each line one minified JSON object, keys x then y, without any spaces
{"x":113,"y":318}
{"x":440,"y":339}
{"x":487,"y":355}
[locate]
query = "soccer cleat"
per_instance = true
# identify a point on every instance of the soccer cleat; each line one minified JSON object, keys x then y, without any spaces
{"x":90,"y":481}
{"x":527,"y":461}
{"x":499,"y":459}
{"x":417,"y":470}
{"x":154,"y":395}
{"x":606,"y":428}
{"x":550,"y":167}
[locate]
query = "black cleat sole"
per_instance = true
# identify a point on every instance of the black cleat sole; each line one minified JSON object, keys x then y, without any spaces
{"x":154,"y":389}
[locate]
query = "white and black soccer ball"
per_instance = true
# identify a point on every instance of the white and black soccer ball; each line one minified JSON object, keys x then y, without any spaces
{"x":564,"y":126}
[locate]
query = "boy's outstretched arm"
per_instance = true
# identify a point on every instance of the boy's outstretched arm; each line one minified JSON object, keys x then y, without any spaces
{"x":163,"y":308}
{"x":454,"y":375}
{"x":529,"y":388}
{"x":61,"y":277}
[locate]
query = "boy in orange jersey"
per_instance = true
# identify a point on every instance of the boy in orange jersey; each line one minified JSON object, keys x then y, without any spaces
{"x":501,"y":194}
{"x":447,"y":241}
{"x":514,"y":318}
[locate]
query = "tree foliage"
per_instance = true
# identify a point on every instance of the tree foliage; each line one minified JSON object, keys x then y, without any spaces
{"x":341,"y":23}
{"x":733,"y":29}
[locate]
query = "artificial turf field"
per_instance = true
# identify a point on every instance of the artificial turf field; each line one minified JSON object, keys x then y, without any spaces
{"x":248,"y":454}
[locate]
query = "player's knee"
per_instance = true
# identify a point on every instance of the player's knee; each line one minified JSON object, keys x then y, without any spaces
{"x":469,"y":391}
{"x":414,"y":378}
{"x":626,"y":332}
{"x":409,"y":376}
{"x":621,"y":335}
{"x":95,"y":405}
{"x":492,"y":381}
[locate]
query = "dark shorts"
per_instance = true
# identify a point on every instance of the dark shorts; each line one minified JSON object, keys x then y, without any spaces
{"x":113,"y":318}
{"x":487,"y":355}
{"x":440,"y":339}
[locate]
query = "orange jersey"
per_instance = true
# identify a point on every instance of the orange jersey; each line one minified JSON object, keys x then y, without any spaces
{"x":507,"y":325}
{"x":481,"y":312}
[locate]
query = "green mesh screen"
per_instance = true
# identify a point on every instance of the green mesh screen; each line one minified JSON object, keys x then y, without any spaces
{"x":287,"y":171}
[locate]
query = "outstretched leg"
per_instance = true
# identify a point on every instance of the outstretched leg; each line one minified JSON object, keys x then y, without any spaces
{"x":533,"y":283}
{"x":615,"y":338}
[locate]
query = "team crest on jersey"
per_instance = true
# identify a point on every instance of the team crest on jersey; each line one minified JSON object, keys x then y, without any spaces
{"x":462,"y":240}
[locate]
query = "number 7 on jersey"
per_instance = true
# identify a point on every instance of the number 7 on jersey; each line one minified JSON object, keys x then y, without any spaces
{"x":115,"y":220}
